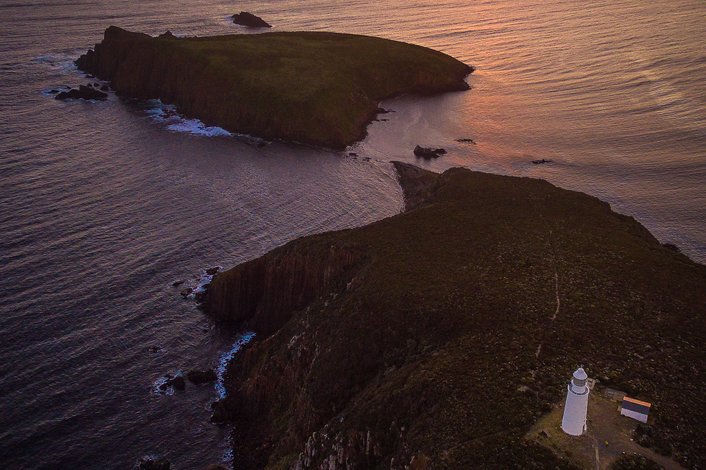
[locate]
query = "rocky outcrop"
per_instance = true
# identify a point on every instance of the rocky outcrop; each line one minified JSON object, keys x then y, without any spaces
{"x":251,"y":91}
{"x":82,"y":93}
{"x":245,"y":18}
{"x":428,"y":153}
{"x":177,"y":382}
{"x":418,"y":185}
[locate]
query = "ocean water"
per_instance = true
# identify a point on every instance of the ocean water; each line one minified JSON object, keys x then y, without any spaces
{"x":104,"y":205}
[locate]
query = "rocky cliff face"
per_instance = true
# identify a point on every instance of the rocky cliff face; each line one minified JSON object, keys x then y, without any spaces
{"x":315,"y":88}
{"x":262,"y":295}
{"x":436,"y":338}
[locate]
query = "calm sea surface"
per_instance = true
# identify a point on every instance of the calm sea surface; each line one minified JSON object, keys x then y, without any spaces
{"x":104,"y":205}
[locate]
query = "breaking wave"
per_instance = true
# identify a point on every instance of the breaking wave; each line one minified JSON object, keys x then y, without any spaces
{"x":225,"y":359}
{"x":167,"y":115}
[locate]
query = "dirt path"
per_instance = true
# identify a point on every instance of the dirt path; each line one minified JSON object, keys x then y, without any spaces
{"x":556,"y":292}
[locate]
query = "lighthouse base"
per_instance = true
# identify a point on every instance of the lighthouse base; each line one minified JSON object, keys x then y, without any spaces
{"x":575,"y":412}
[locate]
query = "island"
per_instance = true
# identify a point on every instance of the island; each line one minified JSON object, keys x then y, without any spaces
{"x":438,"y":338}
{"x":314,"y":88}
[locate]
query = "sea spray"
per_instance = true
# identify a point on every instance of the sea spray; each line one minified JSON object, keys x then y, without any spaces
{"x":168,"y":115}
{"x":228,"y":457}
{"x":193,"y":288}
{"x":225,"y":359}
{"x":204,"y":281}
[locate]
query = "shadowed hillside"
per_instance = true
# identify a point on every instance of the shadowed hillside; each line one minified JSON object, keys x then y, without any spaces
{"x":436,"y":338}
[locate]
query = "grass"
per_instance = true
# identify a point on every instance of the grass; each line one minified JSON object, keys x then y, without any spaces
{"x":425,"y":348}
{"x":312,"y":87}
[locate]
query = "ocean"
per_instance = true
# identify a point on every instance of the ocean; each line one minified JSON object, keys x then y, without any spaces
{"x":103,"y":206}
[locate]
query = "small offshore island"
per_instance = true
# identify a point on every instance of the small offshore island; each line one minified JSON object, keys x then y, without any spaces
{"x":308,"y":87}
{"x":438,"y":337}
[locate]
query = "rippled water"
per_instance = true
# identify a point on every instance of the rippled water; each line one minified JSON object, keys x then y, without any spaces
{"x":104,"y":205}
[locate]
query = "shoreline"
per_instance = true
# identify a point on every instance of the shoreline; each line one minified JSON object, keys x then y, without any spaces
{"x":96,"y":186}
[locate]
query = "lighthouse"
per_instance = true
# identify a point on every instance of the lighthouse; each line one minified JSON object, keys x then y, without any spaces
{"x":576,"y":407}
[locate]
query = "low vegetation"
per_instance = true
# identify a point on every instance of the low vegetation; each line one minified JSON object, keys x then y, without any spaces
{"x":437,"y":340}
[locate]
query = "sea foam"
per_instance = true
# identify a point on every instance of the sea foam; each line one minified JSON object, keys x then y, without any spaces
{"x":160,"y":387}
{"x":225,"y":359}
{"x":168,"y":115}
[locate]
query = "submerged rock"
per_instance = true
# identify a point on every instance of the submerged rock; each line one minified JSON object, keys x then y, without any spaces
{"x":541,"y":161}
{"x":213,"y":271}
{"x":198,"y":377}
{"x":466,"y":140}
{"x":186,"y":292}
{"x":200,"y":295}
{"x":154,"y":464}
{"x":83,"y":93}
{"x":221,"y":413}
{"x":245,"y":18}
{"x":177,"y":382}
{"x":428,"y":153}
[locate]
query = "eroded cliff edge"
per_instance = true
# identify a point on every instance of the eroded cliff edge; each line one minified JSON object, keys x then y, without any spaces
{"x":310,"y":87}
{"x":418,"y":341}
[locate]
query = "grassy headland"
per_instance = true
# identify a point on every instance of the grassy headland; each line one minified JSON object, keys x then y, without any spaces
{"x":310,"y":87}
{"x":438,"y":337}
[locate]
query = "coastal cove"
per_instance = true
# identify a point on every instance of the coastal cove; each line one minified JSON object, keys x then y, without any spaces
{"x":511,"y":181}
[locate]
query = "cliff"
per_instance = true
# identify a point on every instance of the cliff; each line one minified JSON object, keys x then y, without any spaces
{"x":309,"y":87}
{"x":438,"y":337}
{"x":298,"y":275}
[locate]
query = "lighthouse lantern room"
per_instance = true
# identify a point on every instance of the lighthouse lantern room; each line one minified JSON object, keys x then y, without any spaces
{"x":576,"y":407}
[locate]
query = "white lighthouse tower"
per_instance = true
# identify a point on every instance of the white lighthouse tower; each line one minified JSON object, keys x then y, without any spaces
{"x":576,"y":407}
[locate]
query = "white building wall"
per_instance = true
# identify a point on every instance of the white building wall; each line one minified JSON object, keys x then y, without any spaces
{"x":575,"y":412}
{"x":634,"y":415}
